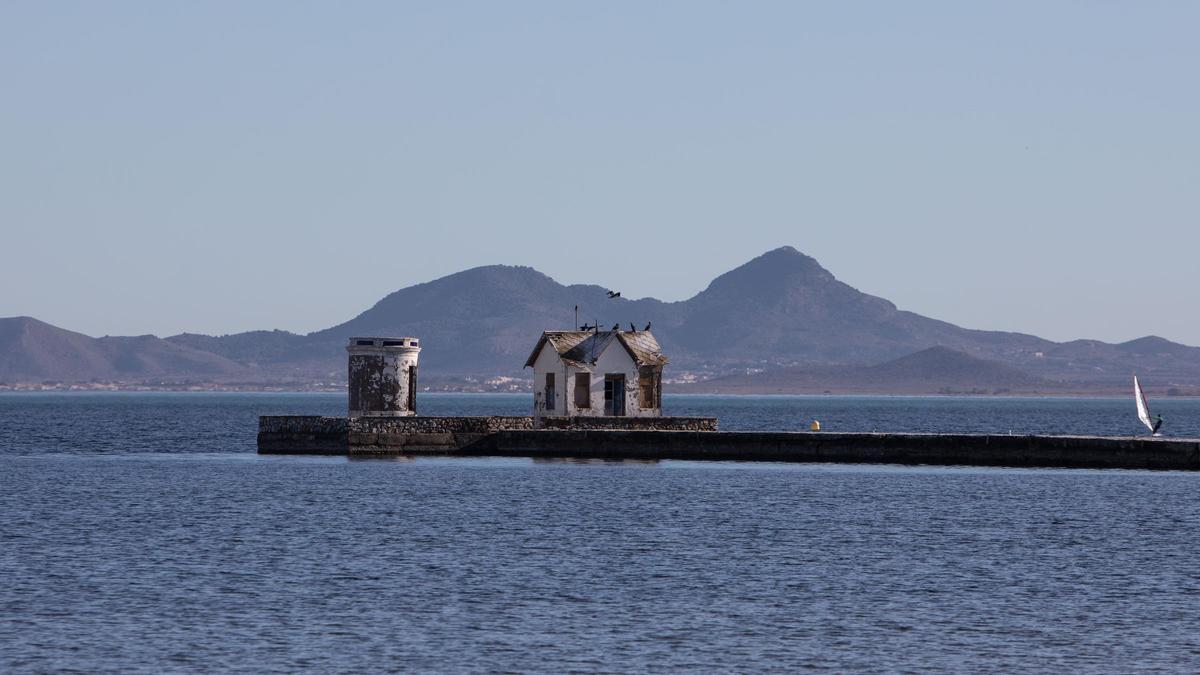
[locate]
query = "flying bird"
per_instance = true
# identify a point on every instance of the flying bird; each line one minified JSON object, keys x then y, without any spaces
{"x":614,"y":294}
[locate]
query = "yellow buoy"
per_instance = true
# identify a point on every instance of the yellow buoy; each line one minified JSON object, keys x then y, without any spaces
{"x":816,"y":425}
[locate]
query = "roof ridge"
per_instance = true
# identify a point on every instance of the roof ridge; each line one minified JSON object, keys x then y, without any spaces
{"x":582,"y":347}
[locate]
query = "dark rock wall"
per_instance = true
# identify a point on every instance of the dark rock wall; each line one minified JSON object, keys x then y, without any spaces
{"x":302,"y":424}
{"x":516,"y":437}
{"x":873,"y":448}
{"x":437,"y":425}
{"x":366,"y":435}
{"x":631,"y":423}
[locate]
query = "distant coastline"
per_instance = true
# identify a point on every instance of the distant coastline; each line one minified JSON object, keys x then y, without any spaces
{"x":698,"y":390}
{"x":778,"y":324}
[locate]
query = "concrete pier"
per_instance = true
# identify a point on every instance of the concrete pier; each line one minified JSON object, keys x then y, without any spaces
{"x":696,"y":439}
{"x":296,"y":434}
{"x":1098,"y":452}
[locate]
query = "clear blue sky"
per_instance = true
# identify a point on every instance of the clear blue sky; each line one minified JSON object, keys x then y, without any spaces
{"x":224,"y":166}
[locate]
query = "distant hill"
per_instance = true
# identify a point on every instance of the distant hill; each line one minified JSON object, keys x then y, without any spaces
{"x":34,"y":351}
{"x":781,"y":308}
{"x":784,"y":307}
{"x":937,"y":370}
{"x":486,"y":319}
{"x":779,"y":311}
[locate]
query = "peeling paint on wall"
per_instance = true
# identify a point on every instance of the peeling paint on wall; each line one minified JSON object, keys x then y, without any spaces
{"x":614,"y":360}
{"x":382,"y":376}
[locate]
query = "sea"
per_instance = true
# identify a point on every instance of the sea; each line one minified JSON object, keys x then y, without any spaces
{"x":140,"y":532}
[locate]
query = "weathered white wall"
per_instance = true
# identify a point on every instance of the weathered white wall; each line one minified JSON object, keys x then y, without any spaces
{"x":613,"y":360}
{"x":378,"y":377}
{"x":548,"y":362}
{"x":597,"y":409}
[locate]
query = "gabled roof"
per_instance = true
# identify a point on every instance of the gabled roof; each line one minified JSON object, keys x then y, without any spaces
{"x":581,"y":348}
{"x":561,"y":340}
{"x":643,"y":347}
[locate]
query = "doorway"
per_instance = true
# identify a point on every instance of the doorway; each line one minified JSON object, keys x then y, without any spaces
{"x":614,"y":395}
{"x":411,"y":403}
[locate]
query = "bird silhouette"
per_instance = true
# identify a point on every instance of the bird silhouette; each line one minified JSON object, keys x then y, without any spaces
{"x":614,"y":294}
{"x":632,"y":328}
{"x":585,"y":327}
{"x":647,"y":325}
{"x":616,"y":327}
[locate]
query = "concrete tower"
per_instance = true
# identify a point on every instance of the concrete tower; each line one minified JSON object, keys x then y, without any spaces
{"x":383,"y":376}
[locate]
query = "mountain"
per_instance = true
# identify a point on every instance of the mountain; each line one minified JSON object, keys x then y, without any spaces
{"x":937,"y":370}
{"x":784,"y":307}
{"x":781,"y":311}
{"x":487,"y":319}
{"x":34,"y":351}
{"x":1158,"y":347}
{"x":781,"y":308}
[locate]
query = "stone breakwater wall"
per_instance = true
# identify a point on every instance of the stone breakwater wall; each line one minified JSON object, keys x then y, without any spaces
{"x":303,"y":424}
{"x":438,"y":425}
{"x":297,"y":434}
{"x":388,"y":435}
{"x":629,"y":423}
{"x":307,"y":434}
{"x":517,"y":437}
{"x":1102,"y":452}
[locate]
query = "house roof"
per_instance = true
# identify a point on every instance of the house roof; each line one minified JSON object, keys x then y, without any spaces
{"x":643,"y":347}
{"x":580,"y":348}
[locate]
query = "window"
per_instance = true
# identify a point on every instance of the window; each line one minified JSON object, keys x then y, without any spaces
{"x":412,"y":389}
{"x":649,"y":387}
{"x":583,"y":390}
{"x":550,"y":404}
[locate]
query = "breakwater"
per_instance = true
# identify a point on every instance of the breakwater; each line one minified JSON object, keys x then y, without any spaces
{"x":688,"y":438}
{"x":293,"y":434}
{"x":859,"y":448}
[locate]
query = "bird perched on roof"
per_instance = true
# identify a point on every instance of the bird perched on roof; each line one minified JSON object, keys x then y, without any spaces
{"x":614,"y":294}
{"x":585,"y":327}
{"x":632,"y":328}
{"x":647,"y":325}
{"x":616,"y":327}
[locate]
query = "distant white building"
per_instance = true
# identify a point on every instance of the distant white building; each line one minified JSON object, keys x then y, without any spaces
{"x":586,"y":373}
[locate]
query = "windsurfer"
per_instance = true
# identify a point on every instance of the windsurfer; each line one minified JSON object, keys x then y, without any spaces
{"x":1143,"y":410}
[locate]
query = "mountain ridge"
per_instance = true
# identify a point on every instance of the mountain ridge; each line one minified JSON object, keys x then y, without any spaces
{"x":32,"y":350}
{"x":779,"y":310}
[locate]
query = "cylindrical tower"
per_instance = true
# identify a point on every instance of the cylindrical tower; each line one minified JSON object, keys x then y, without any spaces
{"x":383,"y":376}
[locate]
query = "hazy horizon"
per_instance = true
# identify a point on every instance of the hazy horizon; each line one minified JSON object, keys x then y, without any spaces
{"x":219,"y":168}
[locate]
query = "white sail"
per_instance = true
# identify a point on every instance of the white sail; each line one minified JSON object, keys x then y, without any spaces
{"x":1142,"y":408}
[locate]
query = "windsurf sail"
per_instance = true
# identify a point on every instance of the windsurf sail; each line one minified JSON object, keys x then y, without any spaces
{"x":1142,"y":408}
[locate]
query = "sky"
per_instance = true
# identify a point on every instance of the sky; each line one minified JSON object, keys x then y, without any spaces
{"x":223,"y":166}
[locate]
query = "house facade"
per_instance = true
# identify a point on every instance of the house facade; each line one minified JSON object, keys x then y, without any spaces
{"x":597,"y":373}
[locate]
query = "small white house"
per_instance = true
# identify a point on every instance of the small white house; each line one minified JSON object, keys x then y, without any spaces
{"x":597,"y":373}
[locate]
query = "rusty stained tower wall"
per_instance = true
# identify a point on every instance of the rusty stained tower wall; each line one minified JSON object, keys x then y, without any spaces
{"x":383,"y":376}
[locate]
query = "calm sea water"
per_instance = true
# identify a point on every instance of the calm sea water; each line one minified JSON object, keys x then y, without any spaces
{"x":140,"y":532}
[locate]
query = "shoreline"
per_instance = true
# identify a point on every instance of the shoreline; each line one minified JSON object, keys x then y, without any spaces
{"x":1104,"y":394}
